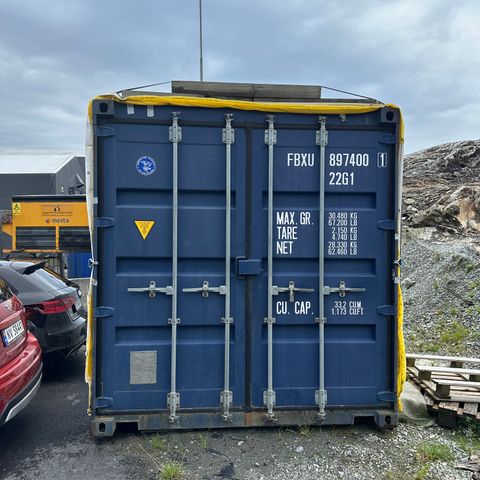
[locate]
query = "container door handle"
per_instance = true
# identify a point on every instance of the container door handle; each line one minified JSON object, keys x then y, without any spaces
{"x":342,"y":289}
{"x":205,"y":289}
{"x":152,"y":290}
{"x":291,"y":289}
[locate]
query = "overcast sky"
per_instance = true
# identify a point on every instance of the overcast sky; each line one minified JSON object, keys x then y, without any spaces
{"x":423,"y":55}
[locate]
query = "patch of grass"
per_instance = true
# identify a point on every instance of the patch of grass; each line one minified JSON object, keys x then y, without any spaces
{"x":422,"y":473}
{"x":474,"y":285}
{"x":453,"y":311}
{"x":447,"y":338}
{"x":455,"y":334}
{"x":435,"y":285}
{"x":171,"y":471}
{"x":304,"y":431}
{"x":470,"y":267}
{"x":202,"y":438}
{"x":469,"y":445}
{"x":432,"y":452}
{"x":158,"y":442}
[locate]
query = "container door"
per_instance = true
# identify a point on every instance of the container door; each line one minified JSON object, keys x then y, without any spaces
{"x":355,"y":272}
{"x":164,"y":264}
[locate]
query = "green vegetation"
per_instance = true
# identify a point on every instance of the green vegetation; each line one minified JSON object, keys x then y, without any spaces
{"x":304,"y":431}
{"x":158,"y":442}
{"x":455,"y":335}
{"x":474,"y":285}
{"x":432,"y":452}
{"x":442,"y":337}
{"x":171,"y":471}
{"x":422,"y":473}
{"x":470,"y":267}
{"x":470,"y":445}
{"x":202,"y":437}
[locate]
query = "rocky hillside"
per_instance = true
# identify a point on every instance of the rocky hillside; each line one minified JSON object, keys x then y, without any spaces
{"x":441,"y":249}
{"x":442,"y":188}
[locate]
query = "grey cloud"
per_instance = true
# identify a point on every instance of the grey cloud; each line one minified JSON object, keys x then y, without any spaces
{"x":55,"y":55}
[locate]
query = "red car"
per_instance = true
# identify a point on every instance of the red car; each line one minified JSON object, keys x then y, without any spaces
{"x":20,"y":357}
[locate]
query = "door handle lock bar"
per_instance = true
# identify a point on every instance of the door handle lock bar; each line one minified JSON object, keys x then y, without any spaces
{"x":205,"y":289}
{"x":342,"y":289}
{"x":152,"y":290}
{"x":291,"y":289}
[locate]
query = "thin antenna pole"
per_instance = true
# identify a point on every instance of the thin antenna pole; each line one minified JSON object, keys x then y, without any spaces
{"x":201,"y":40}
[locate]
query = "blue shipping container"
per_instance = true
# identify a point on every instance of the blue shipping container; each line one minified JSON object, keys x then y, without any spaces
{"x":247,"y":263}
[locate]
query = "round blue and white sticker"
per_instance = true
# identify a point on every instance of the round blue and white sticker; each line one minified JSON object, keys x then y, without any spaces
{"x":146,"y":165}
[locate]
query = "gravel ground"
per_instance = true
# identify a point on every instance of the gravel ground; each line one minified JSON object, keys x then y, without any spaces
{"x":441,"y":287}
{"x":359,"y":452}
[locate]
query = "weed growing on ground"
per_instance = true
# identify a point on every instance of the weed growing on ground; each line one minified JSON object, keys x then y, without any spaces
{"x":431,"y":452}
{"x":171,"y":471}
{"x":441,"y":337}
{"x":422,"y":473}
{"x":455,"y":335}
{"x":158,"y":442}
{"x":468,"y":444}
{"x":202,"y":437}
{"x":304,"y":431}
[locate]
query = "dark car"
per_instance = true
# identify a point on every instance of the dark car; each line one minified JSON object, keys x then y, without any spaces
{"x":53,"y":305}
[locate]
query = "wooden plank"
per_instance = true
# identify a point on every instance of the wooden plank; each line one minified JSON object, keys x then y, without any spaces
{"x":248,"y":90}
{"x":458,"y":383}
{"x":470,"y":409}
{"x":442,"y":358}
{"x":450,"y":406}
{"x":435,"y":369}
{"x":466,"y":397}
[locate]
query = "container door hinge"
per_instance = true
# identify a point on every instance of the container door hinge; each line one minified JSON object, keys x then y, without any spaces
{"x":388,"y":139}
{"x":387,"y":396}
{"x":387,"y":224}
{"x":173,"y":403}
{"x":102,"y":131}
{"x":387,"y":310}
{"x":102,"y":312}
{"x":103,"y":402}
{"x":104,"y":222}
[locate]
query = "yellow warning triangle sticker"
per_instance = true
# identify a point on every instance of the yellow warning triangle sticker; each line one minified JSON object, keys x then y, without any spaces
{"x":16,"y":209}
{"x":144,"y":227}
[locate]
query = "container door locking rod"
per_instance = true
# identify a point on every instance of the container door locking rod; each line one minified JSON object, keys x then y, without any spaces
{"x":321,"y":393}
{"x":269,"y":394}
{"x":228,"y":136}
{"x":173,"y":397}
{"x":226,"y":396}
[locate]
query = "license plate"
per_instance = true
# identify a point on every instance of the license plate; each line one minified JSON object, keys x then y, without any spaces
{"x":11,"y":333}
